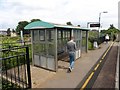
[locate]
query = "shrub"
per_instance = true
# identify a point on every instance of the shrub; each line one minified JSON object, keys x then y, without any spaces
{"x":90,"y":45}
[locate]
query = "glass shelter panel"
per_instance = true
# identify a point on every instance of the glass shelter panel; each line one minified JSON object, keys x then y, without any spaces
{"x":50,"y":35}
{"x":44,"y":48}
{"x":77,"y":36}
{"x":83,"y":40}
{"x":51,"y":51}
{"x":42,"y":35}
{"x":39,"y":48}
{"x":35,"y":35}
{"x":62,"y":39}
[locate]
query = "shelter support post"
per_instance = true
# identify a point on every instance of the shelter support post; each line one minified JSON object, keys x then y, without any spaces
{"x":32,"y":47}
{"x":56,"y":58}
{"x":86,"y":41}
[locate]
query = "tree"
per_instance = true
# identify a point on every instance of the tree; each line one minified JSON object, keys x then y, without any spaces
{"x":35,"y":20}
{"x":13,"y":30}
{"x":69,"y":23}
{"x":112,"y":31}
{"x":8,"y":32}
{"x":21,"y":26}
{"x":111,"y":27}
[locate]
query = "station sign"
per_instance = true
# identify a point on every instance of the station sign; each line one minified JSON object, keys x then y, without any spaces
{"x":95,"y":25}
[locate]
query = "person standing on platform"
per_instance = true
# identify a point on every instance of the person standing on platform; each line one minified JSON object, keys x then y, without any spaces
{"x":71,"y":48}
{"x":107,"y":38}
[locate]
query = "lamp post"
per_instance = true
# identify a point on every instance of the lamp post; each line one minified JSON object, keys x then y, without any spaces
{"x":100,"y":19}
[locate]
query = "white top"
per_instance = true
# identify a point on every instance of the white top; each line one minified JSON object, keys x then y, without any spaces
{"x":106,"y":37}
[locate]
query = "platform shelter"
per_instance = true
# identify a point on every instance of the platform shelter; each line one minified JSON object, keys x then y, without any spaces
{"x":49,"y":42}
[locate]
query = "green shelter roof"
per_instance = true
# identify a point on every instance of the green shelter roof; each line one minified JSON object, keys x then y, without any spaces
{"x":43,"y":25}
{"x":38,"y":24}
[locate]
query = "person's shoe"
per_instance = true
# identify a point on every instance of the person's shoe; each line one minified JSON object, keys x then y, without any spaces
{"x":70,"y":69}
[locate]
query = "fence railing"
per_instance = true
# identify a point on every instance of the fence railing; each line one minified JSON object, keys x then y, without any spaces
{"x":15,"y":71}
{"x":13,"y":44}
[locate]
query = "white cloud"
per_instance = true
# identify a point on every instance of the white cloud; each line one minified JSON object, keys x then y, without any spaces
{"x":58,"y":11}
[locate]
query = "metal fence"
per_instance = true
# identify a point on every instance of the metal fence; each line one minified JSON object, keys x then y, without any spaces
{"x":15,"y":71}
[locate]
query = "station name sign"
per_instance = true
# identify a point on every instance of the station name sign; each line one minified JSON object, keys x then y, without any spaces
{"x":95,"y":25}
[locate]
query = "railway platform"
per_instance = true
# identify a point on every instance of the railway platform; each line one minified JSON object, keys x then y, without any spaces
{"x":63,"y":79}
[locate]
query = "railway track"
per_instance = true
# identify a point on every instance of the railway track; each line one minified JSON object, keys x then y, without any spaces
{"x":106,"y":77}
{"x":103,"y":73}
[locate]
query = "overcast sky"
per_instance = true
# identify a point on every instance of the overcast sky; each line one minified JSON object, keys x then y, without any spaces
{"x":79,"y":12}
